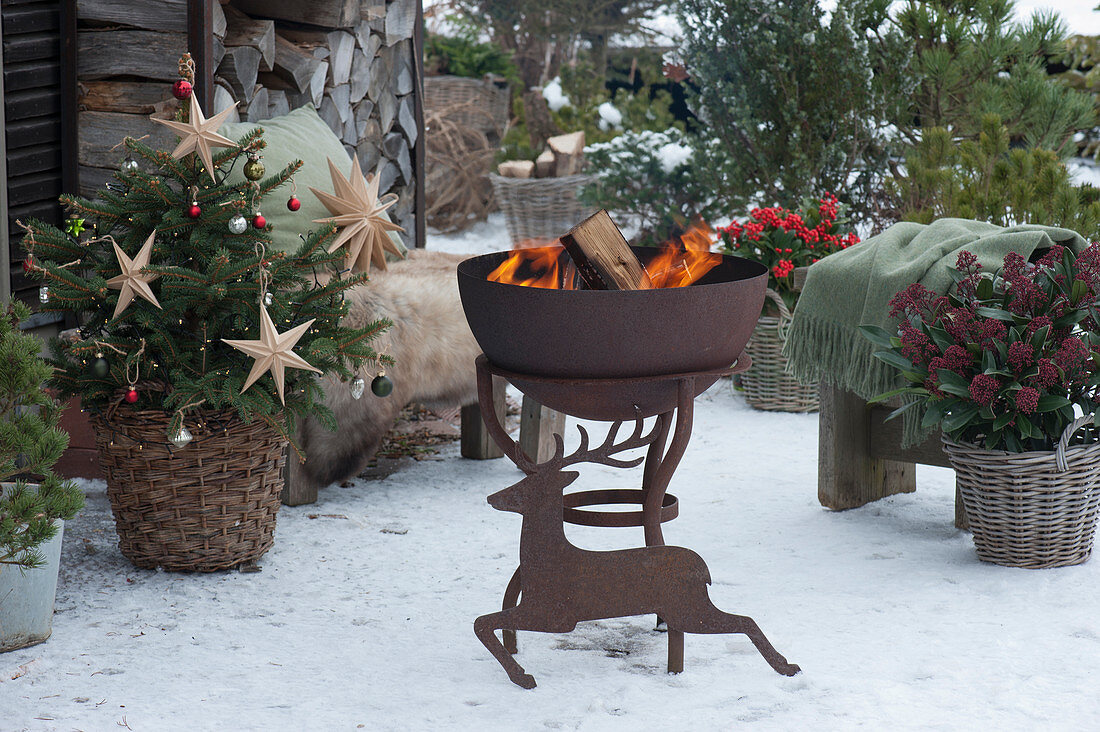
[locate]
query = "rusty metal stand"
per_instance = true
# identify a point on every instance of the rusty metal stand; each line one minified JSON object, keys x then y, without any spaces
{"x":650,"y":566}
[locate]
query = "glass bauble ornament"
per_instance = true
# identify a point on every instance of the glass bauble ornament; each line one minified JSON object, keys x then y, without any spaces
{"x":381,"y":386}
{"x":238,"y":224}
{"x":181,"y":437}
{"x":358,"y":386}
{"x":254,"y":169}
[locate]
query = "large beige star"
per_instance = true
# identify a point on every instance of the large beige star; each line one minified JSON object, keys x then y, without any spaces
{"x":364,"y":225}
{"x":199,"y":134}
{"x":273,"y":352}
{"x":133,"y":281}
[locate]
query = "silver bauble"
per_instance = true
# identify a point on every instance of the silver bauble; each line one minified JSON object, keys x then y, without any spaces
{"x":181,"y":438}
{"x":238,"y":224}
{"x":43,"y":294}
{"x":358,"y":386}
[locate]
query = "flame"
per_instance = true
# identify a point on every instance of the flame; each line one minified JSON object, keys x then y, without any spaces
{"x":684,"y":259}
{"x":681,"y":261}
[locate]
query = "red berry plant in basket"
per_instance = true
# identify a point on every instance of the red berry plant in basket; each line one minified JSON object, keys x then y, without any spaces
{"x":1009,"y":358}
{"x":783,"y":239}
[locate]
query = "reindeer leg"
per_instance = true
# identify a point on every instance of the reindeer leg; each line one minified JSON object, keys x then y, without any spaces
{"x":713,"y":620}
{"x":511,"y":599}
{"x":484,"y":629}
{"x":675,"y":651}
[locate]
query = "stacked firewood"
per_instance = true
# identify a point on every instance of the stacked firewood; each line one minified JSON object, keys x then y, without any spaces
{"x":564,"y":155}
{"x":351,"y":59}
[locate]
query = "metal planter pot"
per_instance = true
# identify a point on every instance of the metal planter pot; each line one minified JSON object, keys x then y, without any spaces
{"x":26,"y":598}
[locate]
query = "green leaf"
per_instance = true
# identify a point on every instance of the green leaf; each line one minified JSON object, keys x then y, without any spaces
{"x":995,"y":313}
{"x":896,"y":392}
{"x":1080,"y":289}
{"x":1023,"y":424}
{"x":878,"y":336}
{"x":1002,"y":421}
{"x":985,"y":289}
{"x":901,"y":410}
{"x":940,"y":337}
{"x":894,"y":359}
{"x":989,"y":361}
{"x":933,"y":415}
{"x":959,"y":419}
{"x":1051,"y":402}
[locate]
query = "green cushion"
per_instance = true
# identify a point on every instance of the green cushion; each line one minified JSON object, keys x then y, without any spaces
{"x":299,"y":135}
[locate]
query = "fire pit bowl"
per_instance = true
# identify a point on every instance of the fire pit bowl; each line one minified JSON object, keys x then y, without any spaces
{"x":614,"y":335}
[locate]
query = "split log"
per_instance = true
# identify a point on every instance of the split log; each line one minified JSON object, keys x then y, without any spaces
{"x":165,"y":16}
{"x":392,"y":145}
{"x":136,"y":97}
{"x":278,"y":105}
{"x":258,"y":108}
{"x":331,"y":14}
{"x":360,"y":77}
{"x":105,"y":53}
{"x":387,"y":111}
{"x":406,"y":118}
{"x":242,"y":30}
{"x":331,"y":115}
{"x":218,"y":23}
{"x":342,"y":48}
{"x":217,"y":51}
{"x":517,"y":169}
{"x":240,"y":68}
{"x":404,"y":164}
{"x":403,"y":78}
{"x":342,"y":100}
{"x":603,"y":258}
{"x":400,"y":19}
{"x":544,"y":165}
{"x":568,"y":153}
{"x":224,"y":99}
{"x":304,"y":72}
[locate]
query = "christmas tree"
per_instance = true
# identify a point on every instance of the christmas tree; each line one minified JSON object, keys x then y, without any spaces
{"x":30,"y":445}
{"x":184,"y":305}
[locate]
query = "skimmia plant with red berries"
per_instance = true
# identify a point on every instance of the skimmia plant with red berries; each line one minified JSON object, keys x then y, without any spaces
{"x":784,"y":239}
{"x":1005,"y":359}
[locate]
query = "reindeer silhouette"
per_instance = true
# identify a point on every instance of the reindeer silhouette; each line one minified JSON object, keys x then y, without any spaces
{"x":562,"y":584}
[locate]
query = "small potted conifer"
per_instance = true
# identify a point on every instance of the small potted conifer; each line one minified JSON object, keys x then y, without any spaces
{"x":34,"y":505}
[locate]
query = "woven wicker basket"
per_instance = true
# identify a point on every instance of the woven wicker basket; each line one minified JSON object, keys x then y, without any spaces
{"x":1031,"y":509}
{"x":207,"y":506}
{"x":476,"y":103}
{"x":540,"y":209}
{"x":767,"y":384}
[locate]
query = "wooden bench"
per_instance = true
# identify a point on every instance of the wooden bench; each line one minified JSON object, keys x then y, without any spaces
{"x":859,"y":454}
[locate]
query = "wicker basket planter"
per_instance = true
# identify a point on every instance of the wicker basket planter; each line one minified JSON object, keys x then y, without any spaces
{"x":1031,"y":509}
{"x":208,"y":506}
{"x":767,"y":384}
{"x":540,"y":209}
{"x":481,"y":104}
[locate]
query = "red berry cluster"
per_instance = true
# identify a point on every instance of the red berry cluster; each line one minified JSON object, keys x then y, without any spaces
{"x":783,"y":239}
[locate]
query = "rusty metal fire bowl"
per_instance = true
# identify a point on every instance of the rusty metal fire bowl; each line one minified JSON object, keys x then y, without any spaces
{"x":611,"y":334}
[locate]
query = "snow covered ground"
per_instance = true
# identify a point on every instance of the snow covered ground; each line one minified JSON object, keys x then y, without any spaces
{"x":362,"y":616}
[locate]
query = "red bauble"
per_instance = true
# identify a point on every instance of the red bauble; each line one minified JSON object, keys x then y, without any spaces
{"x":181,"y":89}
{"x":259,"y":221}
{"x":28,"y":265}
{"x":194,"y":211}
{"x":131,"y":396}
{"x":294,"y":204}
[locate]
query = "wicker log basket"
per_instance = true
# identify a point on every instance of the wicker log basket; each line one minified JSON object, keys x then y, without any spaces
{"x":540,"y":209}
{"x":481,"y":104}
{"x":207,"y":506}
{"x":767,"y":384}
{"x":1032,"y":509}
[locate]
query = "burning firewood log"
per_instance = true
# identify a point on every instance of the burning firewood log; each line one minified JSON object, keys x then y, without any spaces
{"x":603,"y":258}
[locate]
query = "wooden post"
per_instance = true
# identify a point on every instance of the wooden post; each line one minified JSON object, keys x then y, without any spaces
{"x":537,"y":427}
{"x":298,"y":489}
{"x":476,"y":443}
{"x":848,"y":475}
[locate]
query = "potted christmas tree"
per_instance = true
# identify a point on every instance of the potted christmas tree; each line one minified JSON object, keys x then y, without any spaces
{"x":33,"y":507}
{"x":200,"y":344}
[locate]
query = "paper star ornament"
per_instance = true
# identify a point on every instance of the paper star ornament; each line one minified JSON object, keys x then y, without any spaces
{"x":199,"y":134}
{"x":133,"y":281}
{"x":273,"y":352}
{"x":357,"y":210}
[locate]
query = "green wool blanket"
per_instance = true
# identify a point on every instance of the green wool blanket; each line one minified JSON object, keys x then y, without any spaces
{"x":854,"y":287}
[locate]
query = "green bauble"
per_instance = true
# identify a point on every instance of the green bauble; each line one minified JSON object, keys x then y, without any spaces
{"x":101,"y":368}
{"x":381,"y":386}
{"x":254,"y":170}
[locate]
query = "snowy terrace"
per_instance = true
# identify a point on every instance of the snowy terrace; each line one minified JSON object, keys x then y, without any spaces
{"x":362,"y":615}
